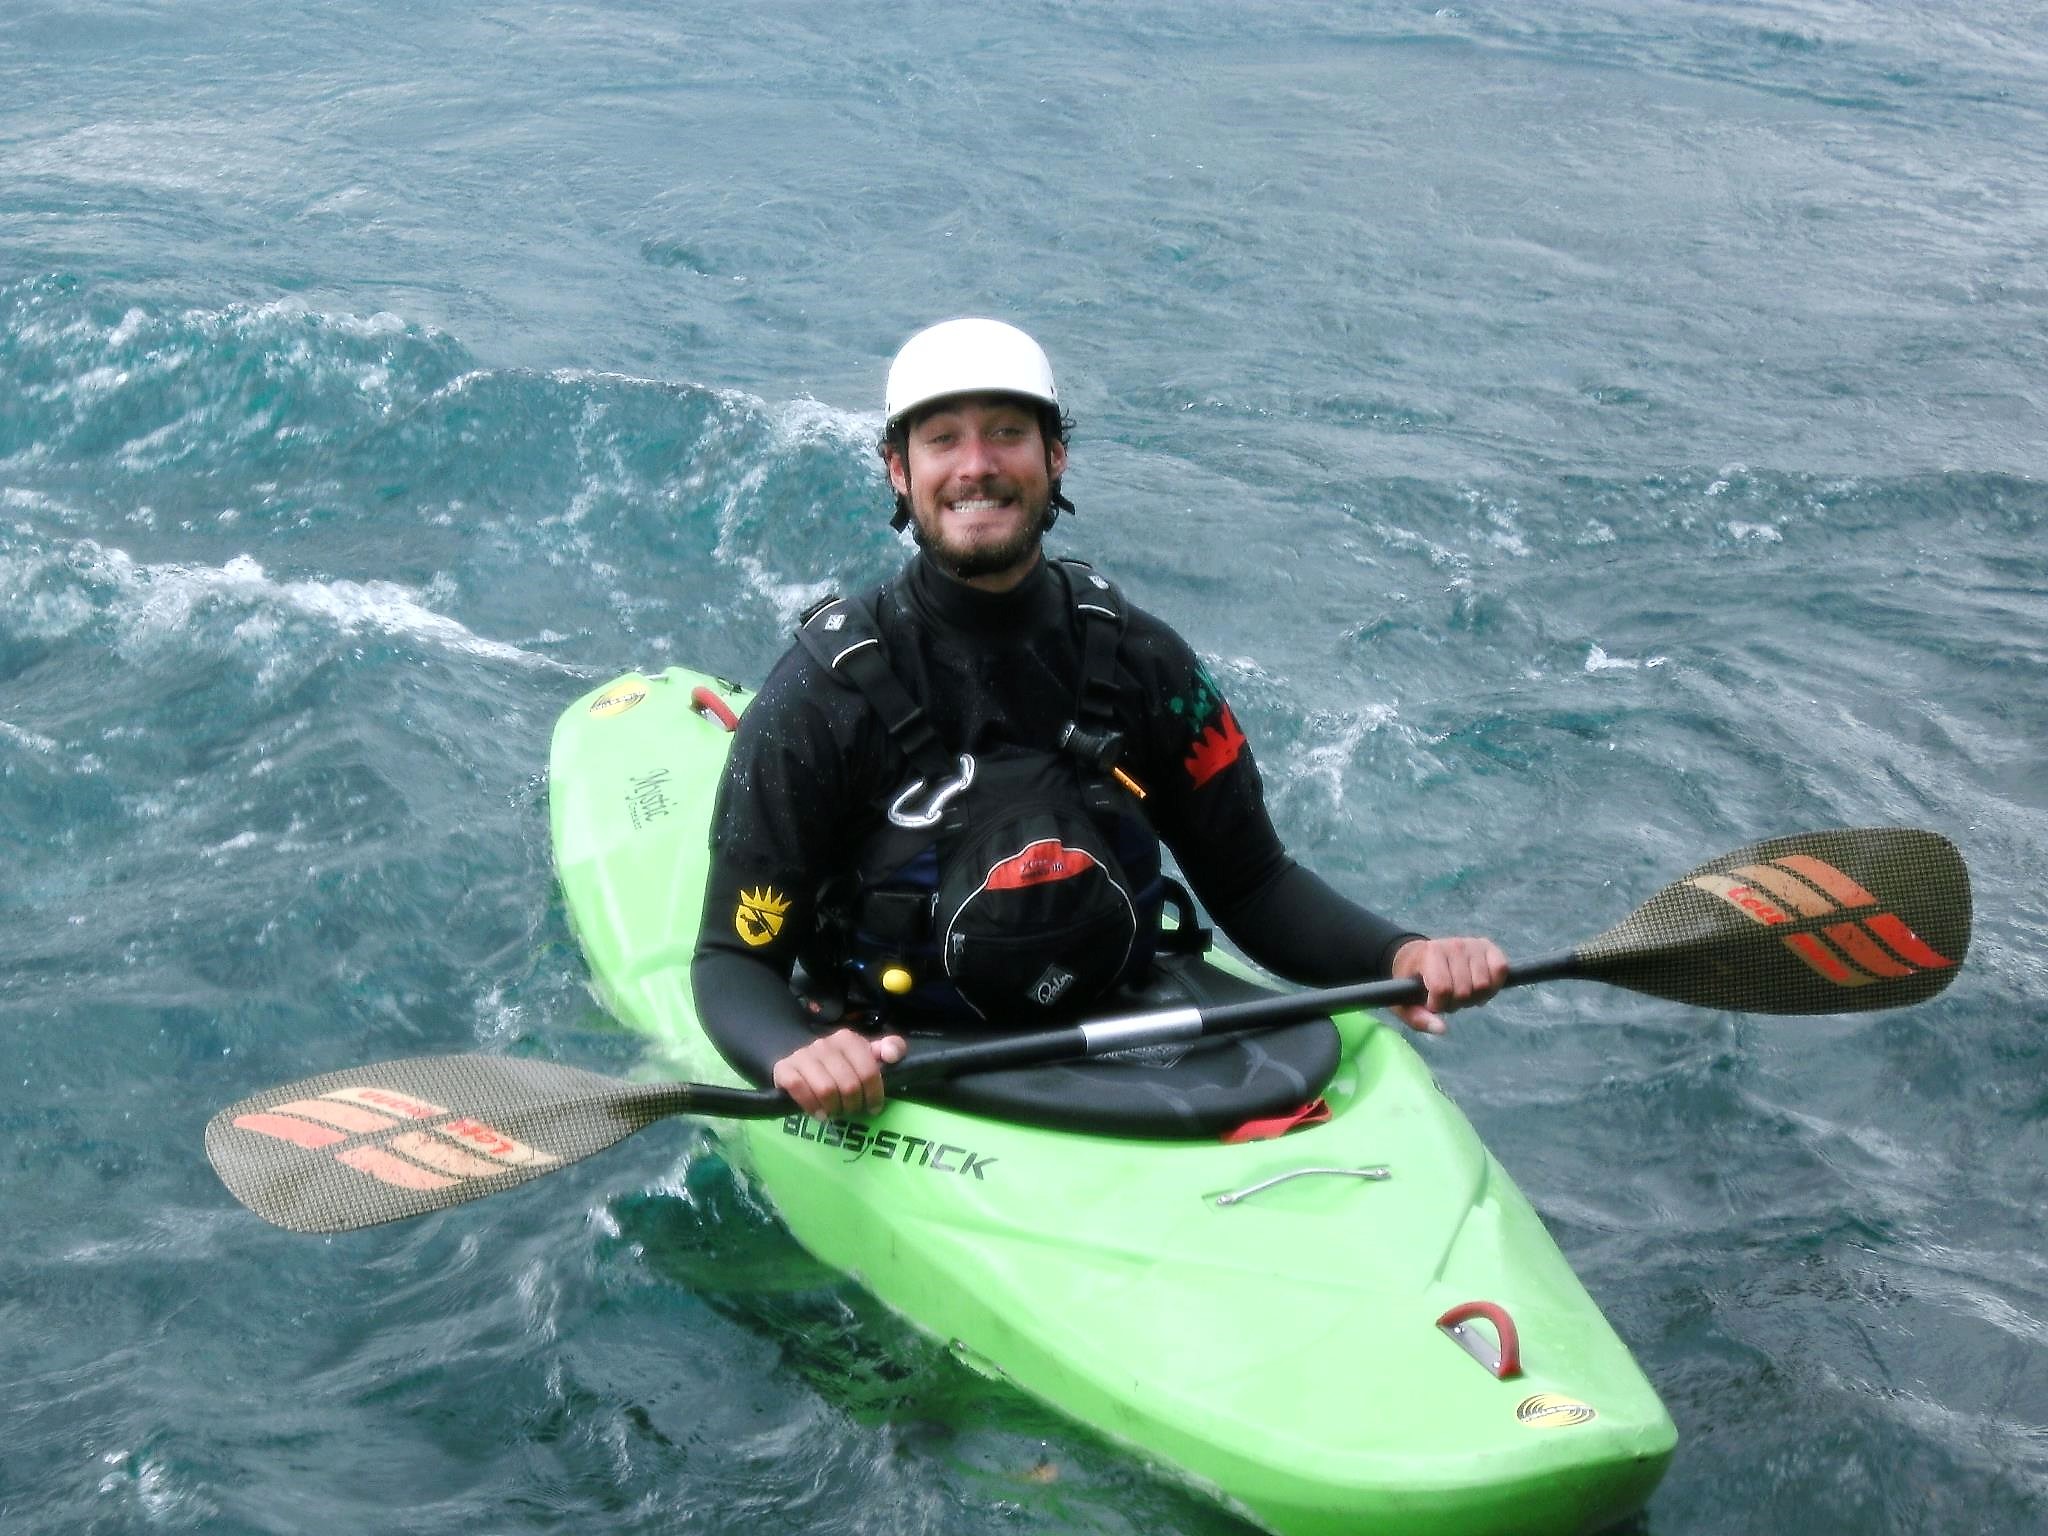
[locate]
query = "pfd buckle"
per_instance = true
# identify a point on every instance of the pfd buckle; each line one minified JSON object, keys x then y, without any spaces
{"x":1098,"y":749}
{"x":928,"y":814}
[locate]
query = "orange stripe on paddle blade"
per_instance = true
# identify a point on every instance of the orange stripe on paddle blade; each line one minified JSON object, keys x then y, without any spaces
{"x":1826,"y":961}
{"x":444,"y":1156}
{"x":1796,"y":894}
{"x":301,"y":1133}
{"x":349,"y":1117}
{"x":1829,"y":879}
{"x":1865,"y":951}
{"x":392,"y":1170}
{"x":1906,"y":942}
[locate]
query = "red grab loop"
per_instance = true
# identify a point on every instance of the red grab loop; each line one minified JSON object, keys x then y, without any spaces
{"x":1315,"y":1112}
{"x":705,"y":702}
{"x":1505,"y":1362}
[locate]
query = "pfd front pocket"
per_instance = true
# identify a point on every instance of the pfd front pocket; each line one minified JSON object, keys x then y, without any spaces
{"x":1004,"y":973}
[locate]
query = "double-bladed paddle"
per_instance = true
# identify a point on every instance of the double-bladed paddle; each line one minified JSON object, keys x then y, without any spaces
{"x":1844,"y":921}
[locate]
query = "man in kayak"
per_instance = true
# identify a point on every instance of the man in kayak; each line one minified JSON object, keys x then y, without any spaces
{"x":948,"y":798}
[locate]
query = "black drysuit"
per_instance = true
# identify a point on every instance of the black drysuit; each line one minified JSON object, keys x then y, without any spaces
{"x":812,"y":769}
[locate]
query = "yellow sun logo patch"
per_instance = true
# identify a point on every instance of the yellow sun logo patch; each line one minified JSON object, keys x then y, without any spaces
{"x":758,"y":917}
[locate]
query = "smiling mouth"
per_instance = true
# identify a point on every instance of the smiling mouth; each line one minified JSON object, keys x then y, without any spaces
{"x":981,"y":514}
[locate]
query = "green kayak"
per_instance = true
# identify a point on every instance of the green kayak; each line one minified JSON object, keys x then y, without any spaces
{"x":1356,"y":1326}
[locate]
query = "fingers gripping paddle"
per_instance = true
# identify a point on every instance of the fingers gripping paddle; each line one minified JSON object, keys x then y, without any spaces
{"x":1822,"y":922}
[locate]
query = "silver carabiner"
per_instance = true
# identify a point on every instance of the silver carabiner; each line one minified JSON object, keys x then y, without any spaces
{"x":935,"y":805}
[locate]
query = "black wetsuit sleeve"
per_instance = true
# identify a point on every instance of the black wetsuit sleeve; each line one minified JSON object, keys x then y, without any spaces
{"x":1299,"y":927}
{"x":748,"y":1011}
{"x":1208,"y":803}
{"x":772,"y":831}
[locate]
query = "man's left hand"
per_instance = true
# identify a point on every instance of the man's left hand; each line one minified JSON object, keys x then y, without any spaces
{"x":1459,"y":973}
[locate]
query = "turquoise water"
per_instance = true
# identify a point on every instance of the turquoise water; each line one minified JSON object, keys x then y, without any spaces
{"x":1582,"y":438}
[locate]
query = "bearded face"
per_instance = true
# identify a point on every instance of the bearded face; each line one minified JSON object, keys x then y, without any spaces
{"x":978,"y":475}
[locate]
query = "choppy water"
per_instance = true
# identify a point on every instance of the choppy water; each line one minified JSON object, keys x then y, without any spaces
{"x":1583,"y":437}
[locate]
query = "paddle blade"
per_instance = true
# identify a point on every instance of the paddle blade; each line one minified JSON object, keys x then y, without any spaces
{"x":374,"y":1144}
{"x":1845,"y":921}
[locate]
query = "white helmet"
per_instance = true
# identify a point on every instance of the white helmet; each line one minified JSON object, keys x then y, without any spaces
{"x":967,"y":357}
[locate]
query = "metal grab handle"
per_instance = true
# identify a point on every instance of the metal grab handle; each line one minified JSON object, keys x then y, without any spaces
{"x":1505,"y":1362}
{"x":935,"y":807}
{"x":1236,"y":1195}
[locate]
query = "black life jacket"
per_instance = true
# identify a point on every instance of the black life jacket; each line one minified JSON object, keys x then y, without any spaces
{"x":1009,"y":888}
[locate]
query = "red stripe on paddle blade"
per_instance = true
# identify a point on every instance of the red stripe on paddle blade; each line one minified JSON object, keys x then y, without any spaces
{"x":1826,"y":961}
{"x":1864,"y":950}
{"x":1908,"y":944}
{"x":300,"y":1133}
{"x":347,"y":1117}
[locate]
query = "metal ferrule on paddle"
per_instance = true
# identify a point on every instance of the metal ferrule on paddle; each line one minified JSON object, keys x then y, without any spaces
{"x":1169,"y":1026}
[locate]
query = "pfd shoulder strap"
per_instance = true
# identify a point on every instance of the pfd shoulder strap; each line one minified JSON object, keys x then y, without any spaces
{"x":1093,"y":736}
{"x":1100,"y":609}
{"x":844,"y":638}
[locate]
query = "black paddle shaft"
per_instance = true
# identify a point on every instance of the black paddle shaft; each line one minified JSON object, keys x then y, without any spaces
{"x":1101,"y":1037}
{"x":1843,"y":921}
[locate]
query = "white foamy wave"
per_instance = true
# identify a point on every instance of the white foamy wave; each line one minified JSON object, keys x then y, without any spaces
{"x":20,"y":499}
{"x":1756,"y":533}
{"x":788,"y":598}
{"x":150,"y":600}
{"x":560,"y":376}
{"x":1439,"y":555}
{"x":1597,"y":660}
{"x":1503,"y":518}
{"x":32,"y":740}
{"x":1326,"y":761}
{"x":805,"y":420}
{"x":499,"y":1020}
{"x":163,"y":1496}
{"x":258,"y":317}
{"x":138,"y":325}
{"x":461,"y":384}
{"x":176,"y":377}
{"x":790,"y":422}
{"x":793,"y":425}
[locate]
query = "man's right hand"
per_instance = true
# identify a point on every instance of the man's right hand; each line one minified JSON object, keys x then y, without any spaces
{"x":840,"y":1074}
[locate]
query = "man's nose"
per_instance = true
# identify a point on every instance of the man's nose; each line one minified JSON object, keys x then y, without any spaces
{"x":976,"y":458}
